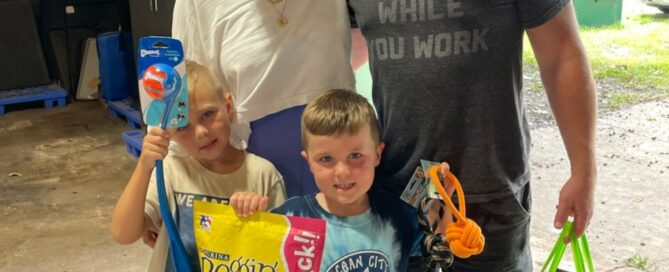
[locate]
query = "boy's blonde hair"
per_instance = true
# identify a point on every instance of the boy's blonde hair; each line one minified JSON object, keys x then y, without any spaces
{"x":197,"y":73}
{"x":338,"y":111}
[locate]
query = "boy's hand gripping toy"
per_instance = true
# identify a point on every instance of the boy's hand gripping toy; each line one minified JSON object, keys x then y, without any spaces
{"x":464,"y":235}
{"x":162,"y":87}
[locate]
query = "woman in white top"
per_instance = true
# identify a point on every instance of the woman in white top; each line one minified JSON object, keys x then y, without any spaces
{"x":273,"y":56}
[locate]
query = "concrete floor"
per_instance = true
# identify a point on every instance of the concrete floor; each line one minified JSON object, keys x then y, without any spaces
{"x":61,"y":172}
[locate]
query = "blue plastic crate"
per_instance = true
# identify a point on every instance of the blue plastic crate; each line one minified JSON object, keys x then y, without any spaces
{"x":133,"y":141}
{"x":115,"y":78}
{"x":50,"y":95}
{"x":123,"y":109}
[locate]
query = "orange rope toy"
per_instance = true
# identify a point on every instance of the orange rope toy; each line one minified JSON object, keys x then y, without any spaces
{"x":464,"y":235}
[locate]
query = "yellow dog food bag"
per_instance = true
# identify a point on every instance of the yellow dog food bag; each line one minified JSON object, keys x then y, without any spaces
{"x":263,"y":242}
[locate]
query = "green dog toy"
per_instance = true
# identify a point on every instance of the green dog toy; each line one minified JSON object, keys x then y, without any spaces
{"x":579,"y":247}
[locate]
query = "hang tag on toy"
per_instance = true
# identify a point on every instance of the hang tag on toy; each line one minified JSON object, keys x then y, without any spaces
{"x":431,"y":190}
{"x":416,"y":189}
{"x":162,"y":82}
{"x":418,"y":195}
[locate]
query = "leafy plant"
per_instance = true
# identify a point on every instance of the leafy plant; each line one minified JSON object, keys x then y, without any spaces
{"x":640,"y":262}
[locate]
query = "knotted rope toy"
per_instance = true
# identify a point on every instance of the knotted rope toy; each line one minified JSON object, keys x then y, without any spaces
{"x":463,"y":235}
{"x":436,"y":252}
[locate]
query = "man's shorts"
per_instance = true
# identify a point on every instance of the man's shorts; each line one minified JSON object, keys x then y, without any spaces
{"x":506,"y":226}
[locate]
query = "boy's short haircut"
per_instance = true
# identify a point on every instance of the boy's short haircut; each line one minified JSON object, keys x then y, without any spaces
{"x":197,"y":72}
{"x":338,"y":111}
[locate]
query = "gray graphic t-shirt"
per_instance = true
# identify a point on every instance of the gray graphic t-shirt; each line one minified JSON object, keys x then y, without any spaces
{"x":447,"y":87}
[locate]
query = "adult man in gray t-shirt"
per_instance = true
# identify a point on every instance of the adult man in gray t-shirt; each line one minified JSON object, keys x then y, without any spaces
{"x":448,"y":87}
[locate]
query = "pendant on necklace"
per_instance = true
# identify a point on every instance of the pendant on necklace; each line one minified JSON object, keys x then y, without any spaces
{"x":282,"y":21}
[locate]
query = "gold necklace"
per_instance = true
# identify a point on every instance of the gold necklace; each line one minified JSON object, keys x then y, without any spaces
{"x":282,"y":20}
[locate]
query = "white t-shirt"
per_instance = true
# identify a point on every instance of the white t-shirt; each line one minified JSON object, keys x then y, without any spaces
{"x":268,"y":68}
{"x":186,"y":180}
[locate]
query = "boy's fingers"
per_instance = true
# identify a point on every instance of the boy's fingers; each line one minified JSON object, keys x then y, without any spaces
{"x":242,"y":207}
{"x":248,"y":200}
{"x":153,"y":153}
{"x":159,"y":152}
{"x":164,"y":143}
{"x":233,"y":202}
{"x":156,"y":131}
{"x":160,"y":144}
{"x":263,"y":203}
{"x":246,"y":204}
{"x":255,"y":204}
{"x":448,"y":186}
{"x":149,"y":238}
{"x":159,"y":140}
{"x":444,"y":168}
{"x":159,"y":134}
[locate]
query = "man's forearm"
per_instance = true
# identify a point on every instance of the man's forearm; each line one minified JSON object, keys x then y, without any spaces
{"x":572,"y":97}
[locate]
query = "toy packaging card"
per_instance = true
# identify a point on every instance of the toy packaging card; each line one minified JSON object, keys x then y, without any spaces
{"x":421,"y":194}
{"x":263,"y":242}
{"x":431,"y":190}
{"x":162,"y":82}
{"x":416,"y":189}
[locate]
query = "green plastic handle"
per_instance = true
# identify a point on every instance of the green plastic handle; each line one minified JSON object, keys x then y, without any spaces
{"x":579,"y":247}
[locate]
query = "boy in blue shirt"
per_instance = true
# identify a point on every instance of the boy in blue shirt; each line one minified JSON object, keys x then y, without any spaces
{"x":366,"y":230}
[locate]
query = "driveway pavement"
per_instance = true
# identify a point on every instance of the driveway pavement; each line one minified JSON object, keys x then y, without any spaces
{"x":633,"y":187}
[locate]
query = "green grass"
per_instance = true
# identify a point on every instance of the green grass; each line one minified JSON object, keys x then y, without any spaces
{"x":640,"y":262}
{"x":536,"y":87}
{"x":617,"y":100}
{"x":633,"y":55}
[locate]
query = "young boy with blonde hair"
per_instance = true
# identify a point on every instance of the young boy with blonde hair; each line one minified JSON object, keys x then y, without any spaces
{"x":366,"y":230}
{"x":213,"y":170}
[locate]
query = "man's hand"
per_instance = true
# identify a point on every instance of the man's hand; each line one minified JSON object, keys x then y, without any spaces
{"x":576,"y":200}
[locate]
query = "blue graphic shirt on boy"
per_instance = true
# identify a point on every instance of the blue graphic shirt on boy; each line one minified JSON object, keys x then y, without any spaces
{"x":380,"y":239}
